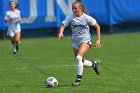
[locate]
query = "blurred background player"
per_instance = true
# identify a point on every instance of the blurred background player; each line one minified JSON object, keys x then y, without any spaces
{"x":81,"y":37}
{"x":13,"y":17}
{"x":79,"y":0}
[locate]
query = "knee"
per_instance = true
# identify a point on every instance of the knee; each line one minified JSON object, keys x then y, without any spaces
{"x":79,"y":59}
{"x":17,"y":40}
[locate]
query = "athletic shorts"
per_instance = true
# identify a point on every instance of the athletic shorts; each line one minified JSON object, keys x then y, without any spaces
{"x":77,"y":41}
{"x":13,"y":29}
{"x":12,"y":33}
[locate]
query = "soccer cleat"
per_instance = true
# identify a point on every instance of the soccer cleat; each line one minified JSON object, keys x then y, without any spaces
{"x":14,"y":53}
{"x":76,"y":83}
{"x":95,"y":67}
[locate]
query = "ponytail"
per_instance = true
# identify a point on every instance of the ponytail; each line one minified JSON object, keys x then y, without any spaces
{"x":84,"y":9}
{"x":17,"y":5}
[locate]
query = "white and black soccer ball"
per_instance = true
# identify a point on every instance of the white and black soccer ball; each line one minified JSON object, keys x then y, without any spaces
{"x":51,"y":82}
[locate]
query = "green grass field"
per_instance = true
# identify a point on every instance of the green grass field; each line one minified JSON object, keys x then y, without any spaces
{"x":44,"y":57}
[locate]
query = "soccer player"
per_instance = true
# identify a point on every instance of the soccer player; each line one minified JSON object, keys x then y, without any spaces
{"x":79,"y":0}
{"x":81,"y":38}
{"x":13,"y":17}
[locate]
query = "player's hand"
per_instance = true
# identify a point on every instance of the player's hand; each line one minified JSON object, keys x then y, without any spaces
{"x":19,"y":20}
{"x":98,"y":44}
{"x":60,"y":35}
{"x":7,"y":19}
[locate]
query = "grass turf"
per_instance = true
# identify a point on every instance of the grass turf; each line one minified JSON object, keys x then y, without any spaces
{"x":44,"y":57}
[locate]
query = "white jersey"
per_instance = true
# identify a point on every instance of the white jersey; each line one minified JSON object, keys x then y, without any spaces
{"x":80,"y":27}
{"x":14,"y":25}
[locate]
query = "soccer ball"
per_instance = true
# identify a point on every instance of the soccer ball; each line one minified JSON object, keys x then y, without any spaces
{"x":51,"y":82}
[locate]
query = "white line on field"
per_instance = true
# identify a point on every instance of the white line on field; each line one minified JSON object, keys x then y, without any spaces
{"x":60,"y":66}
{"x":57,"y":66}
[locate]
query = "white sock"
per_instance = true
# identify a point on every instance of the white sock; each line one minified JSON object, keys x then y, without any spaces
{"x":13,"y":46}
{"x":87,"y":63}
{"x":79,"y":66}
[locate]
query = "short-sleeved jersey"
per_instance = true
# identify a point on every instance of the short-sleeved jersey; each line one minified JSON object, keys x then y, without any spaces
{"x":79,"y":25}
{"x":14,"y":16}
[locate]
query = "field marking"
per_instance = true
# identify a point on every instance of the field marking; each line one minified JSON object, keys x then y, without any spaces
{"x":31,"y":57}
{"x":59,"y":66}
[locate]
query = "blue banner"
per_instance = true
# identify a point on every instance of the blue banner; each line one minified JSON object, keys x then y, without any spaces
{"x":50,"y":13}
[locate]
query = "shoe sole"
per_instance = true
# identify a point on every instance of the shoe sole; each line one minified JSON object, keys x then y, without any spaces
{"x":96,"y":68}
{"x":14,"y":53}
{"x":75,"y":85}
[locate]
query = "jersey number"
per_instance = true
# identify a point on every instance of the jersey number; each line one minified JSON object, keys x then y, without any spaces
{"x":80,"y":31}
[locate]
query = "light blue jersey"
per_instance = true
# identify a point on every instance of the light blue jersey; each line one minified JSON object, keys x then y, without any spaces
{"x":80,"y":28}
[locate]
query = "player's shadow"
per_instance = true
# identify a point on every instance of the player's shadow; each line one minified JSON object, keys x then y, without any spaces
{"x":30,"y":85}
{"x":37,"y":85}
{"x":65,"y":85}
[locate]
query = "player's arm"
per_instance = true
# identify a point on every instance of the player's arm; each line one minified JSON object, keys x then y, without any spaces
{"x":98,"y":42}
{"x":19,"y":19}
{"x":65,"y":23}
{"x":61,"y":31}
{"x":7,"y":18}
{"x":93,"y":23}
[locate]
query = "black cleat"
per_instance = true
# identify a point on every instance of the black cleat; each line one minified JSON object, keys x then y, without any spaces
{"x":76,"y":83}
{"x":95,"y":67}
{"x":14,"y":53}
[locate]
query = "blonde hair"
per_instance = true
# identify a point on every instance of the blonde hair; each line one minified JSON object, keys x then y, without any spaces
{"x":82,"y":6}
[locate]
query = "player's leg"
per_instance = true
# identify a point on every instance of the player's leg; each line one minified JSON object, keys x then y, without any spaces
{"x":12,"y":39}
{"x":88,"y":63}
{"x":79,"y":54}
{"x":17,"y":40}
{"x":79,"y":77}
{"x":13,"y":44}
{"x":11,"y":35}
{"x":75,"y":52}
{"x":93,"y":64}
{"x":83,"y":59}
